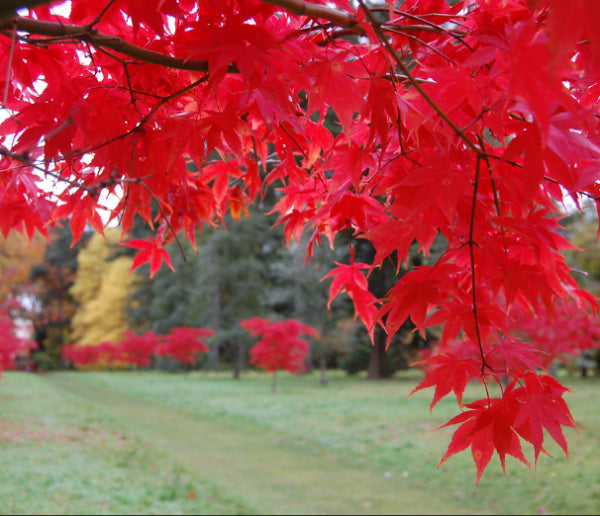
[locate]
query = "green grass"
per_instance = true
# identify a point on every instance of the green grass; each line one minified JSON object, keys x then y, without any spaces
{"x":60,"y":455}
{"x":126,"y":442}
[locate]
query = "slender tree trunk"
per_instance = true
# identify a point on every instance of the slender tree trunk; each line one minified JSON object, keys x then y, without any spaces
{"x":376,"y":356}
{"x":274,"y":382}
{"x":323,"y":379}
{"x":212,"y":363}
{"x":61,"y":335}
{"x":239,"y":360}
{"x":299,"y":301}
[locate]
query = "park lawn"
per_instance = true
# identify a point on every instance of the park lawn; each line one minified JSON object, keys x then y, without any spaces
{"x":205,"y":443}
{"x":61,"y":455}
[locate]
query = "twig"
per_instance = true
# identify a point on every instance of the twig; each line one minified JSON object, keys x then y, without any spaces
{"x":99,"y":40}
{"x":9,"y":67}
{"x":381,"y":36}
{"x":472,"y":244}
{"x":141,"y":123}
{"x":96,"y":20}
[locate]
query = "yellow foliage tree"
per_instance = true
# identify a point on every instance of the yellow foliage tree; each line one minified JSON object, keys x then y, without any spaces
{"x":17,"y":255}
{"x":101,"y":291}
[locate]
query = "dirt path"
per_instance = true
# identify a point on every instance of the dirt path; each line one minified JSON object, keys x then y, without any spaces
{"x":276,"y":479}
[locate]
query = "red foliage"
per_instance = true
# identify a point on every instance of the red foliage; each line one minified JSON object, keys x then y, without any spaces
{"x":11,"y":345}
{"x":472,"y":122}
{"x":185,"y":344}
{"x":280,"y":346}
{"x":87,"y":355}
{"x":559,"y":335}
{"x":181,"y":344}
{"x":497,"y":423}
{"x":136,"y":349}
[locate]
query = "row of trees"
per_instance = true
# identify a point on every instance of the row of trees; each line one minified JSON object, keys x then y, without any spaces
{"x":86,"y":293}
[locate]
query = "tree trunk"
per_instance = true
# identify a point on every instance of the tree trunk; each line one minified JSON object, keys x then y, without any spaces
{"x":323,"y":379}
{"x":299,"y":301}
{"x":212,"y":363}
{"x":239,"y":361}
{"x":374,"y":369}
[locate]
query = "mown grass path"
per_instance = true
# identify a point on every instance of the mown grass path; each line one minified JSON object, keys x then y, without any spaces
{"x":239,"y":457}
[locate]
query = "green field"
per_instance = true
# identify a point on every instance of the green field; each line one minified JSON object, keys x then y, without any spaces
{"x":159,"y":443}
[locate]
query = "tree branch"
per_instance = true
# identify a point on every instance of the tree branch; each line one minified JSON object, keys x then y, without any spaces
{"x":472,"y":245}
{"x":302,"y":8}
{"x":405,"y":70}
{"x":97,"y":39}
{"x":141,"y":123}
{"x":88,"y":34}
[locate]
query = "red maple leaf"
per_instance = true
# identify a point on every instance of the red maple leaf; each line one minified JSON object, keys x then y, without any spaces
{"x":449,"y":373}
{"x":350,"y":279}
{"x":542,"y":406}
{"x":485,"y":427}
{"x":151,"y":251}
{"x":512,"y":355}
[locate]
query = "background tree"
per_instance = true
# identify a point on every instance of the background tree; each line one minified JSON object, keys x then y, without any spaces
{"x":17,"y":256}
{"x":280,"y":345}
{"x":222,"y":281}
{"x":17,"y":298}
{"x":582,"y":229}
{"x":101,"y":290}
{"x":185,"y":345}
{"x":12,"y":344}
{"x":296,"y":291}
{"x":54,"y":306}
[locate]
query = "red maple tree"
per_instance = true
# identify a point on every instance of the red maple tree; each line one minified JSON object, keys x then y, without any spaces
{"x":185,"y":344}
{"x":471,"y":121}
{"x":136,"y":349}
{"x":281,"y":345}
{"x":12,"y":344}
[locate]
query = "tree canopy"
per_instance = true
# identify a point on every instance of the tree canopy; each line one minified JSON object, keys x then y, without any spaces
{"x":469,"y":121}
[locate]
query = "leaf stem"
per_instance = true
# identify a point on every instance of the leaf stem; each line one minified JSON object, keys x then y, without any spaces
{"x":415,"y":83}
{"x":472,"y":244}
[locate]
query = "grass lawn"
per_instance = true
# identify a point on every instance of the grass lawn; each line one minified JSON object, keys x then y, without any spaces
{"x":149,"y":442}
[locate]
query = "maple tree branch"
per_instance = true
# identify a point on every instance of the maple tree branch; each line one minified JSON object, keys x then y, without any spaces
{"x":126,"y":72}
{"x":431,"y":26}
{"x":141,"y":123}
{"x":27,"y":161}
{"x":472,"y":244}
{"x":58,"y":32}
{"x":401,"y":32}
{"x":301,"y":8}
{"x":384,"y":41}
{"x":489,"y":167}
{"x":345,"y":19}
{"x":9,"y":69}
{"x":87,"y":34}
{"x":23,"y":158}
{"x":547,"y":178}
{"x":293,"y":139}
